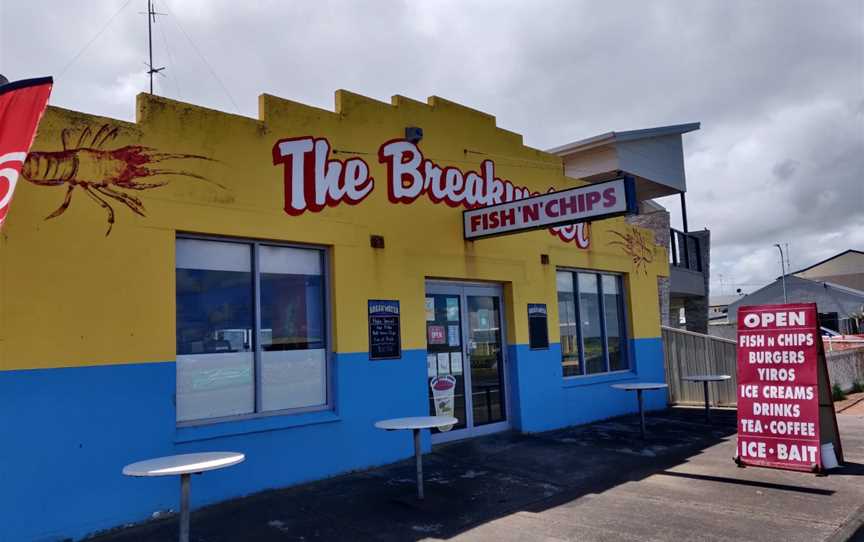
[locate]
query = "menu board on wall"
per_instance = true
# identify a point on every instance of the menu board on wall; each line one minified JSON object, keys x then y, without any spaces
{"x":384,"y":336}
{"x":785,"y":410}
{"x":538,"y":326}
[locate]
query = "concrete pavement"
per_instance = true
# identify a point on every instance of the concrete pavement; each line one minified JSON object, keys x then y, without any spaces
{"x":595,"y":482}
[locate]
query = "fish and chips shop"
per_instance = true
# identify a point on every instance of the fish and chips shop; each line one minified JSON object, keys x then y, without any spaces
{"x":197,"y":281}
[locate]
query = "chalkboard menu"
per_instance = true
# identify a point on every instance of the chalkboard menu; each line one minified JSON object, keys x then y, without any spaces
{"x":538,"y":326}
{"x":384,"y":339}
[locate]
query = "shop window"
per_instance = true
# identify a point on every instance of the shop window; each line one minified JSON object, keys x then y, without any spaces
{"x":591,"y":322}
{"x":251,"y":329}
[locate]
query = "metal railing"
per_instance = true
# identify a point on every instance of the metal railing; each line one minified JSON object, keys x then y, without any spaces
{"x":685,"y":250}
{"x":688,"y":353}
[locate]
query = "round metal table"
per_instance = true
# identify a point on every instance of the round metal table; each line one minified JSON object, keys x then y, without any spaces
{"x":705,"y":379}
{"x":639,"y":387}
{"x":417,"y":424}
{"x":183,"y":465}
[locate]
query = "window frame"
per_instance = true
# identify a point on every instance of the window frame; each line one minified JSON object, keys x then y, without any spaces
{"x":255,"y":244}
{"x":624,"y":331}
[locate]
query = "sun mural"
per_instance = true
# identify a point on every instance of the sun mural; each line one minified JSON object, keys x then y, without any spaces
{"x":637,"y":245}
{"x":104,"y":175}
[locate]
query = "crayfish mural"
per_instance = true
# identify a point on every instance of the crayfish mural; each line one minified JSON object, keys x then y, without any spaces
{"x":105,"y":176}
{"x":636,"y":245}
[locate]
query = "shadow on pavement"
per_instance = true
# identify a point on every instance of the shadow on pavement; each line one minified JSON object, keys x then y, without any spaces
{"x":751,"y":483}
{"x":468,"y":483}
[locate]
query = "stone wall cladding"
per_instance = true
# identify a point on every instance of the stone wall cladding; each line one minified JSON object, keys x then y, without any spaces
{"x":658,"y":222}
{"x":663,"y":295}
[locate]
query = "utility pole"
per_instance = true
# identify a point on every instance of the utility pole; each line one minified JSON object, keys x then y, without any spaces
{"x":783,"y":269}
{"x":151,"y":18}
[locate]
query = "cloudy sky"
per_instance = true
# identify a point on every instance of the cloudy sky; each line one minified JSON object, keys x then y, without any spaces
{"x":777,"y":85}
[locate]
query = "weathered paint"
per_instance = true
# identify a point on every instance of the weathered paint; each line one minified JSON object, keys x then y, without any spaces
{"x":87,"y":320}
{"x":109,"y":299}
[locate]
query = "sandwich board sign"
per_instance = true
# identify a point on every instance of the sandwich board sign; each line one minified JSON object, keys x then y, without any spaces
{"x":785,"y":408}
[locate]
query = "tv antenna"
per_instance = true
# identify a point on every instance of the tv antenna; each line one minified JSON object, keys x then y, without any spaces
{"x":151,"y":18}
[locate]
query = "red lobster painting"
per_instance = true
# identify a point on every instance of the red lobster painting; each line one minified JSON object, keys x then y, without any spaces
{"x":104,"y":175}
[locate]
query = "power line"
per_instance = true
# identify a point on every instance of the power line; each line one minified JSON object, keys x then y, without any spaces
{"x":203,"y":59}
{"x":93,"y":39}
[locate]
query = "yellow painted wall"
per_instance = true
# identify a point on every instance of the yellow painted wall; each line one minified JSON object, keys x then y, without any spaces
{"x":71,"y":296}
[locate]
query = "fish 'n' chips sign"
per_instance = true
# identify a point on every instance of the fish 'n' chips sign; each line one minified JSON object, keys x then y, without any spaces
{"x":575,"y":205}
{"x":785,"y":410}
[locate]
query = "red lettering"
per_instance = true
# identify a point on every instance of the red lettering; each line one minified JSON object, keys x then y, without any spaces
{"x":493,"y":220}
{"x":609,"y":198}
{"x":312,"y":181}
{"x":403,"y":159}
{"x":569,"y":205}
{"x":592,"y":198}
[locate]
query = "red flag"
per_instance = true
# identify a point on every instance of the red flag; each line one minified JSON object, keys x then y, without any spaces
{"x":22,"y":104}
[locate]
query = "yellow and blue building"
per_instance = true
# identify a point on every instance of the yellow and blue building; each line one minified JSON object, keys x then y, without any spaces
{"x":169,"y":285}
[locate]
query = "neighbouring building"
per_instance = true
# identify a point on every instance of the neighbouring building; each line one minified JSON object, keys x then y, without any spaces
{"x":197,"y":281}
{"x":718,"y":308}
{"x":655,"y":157}
{"x":845,"y":269}
{"x":841,"y":309}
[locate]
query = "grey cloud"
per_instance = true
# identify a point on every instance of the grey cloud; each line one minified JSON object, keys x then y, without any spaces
{"x":778,"y":85}
{"x":785,"y":169}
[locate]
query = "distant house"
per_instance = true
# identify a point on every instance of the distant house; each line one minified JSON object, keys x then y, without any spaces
{"x":718,"y":308}
{"x":845,"y":269}
{"x":840,"y":307}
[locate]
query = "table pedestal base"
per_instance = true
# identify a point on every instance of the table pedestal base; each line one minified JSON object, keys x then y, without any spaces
{"x":418,"y":458}
{"x":184,"y":507}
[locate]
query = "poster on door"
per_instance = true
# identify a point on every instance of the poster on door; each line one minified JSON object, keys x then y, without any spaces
{"x":780,"y":388}
{"x":443,"y":395}
{"x":437,"y":335}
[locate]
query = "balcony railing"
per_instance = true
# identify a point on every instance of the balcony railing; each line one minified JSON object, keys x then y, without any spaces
{"x":685,"y":251}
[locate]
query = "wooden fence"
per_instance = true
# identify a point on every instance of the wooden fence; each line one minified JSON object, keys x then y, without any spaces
{"x":689,"y":353}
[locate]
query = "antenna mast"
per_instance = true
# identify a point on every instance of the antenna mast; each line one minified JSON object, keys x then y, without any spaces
{"x":151,"y":18}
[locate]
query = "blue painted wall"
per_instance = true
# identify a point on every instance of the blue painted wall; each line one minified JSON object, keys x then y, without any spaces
{"x":544,"y":400}
{"x":69,"y":432}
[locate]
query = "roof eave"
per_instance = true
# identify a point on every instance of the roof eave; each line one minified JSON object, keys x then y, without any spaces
{"x":609,"y":138}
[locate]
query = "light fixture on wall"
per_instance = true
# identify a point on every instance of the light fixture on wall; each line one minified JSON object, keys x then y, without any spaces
{"x":544,"y":259}
{"x":413,"y":134}
{"x":376,"y":241}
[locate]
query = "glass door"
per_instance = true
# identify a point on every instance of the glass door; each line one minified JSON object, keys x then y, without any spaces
{"x":445,"y":365}
{"x":466,"y":358}
{"x":486,"y":359}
